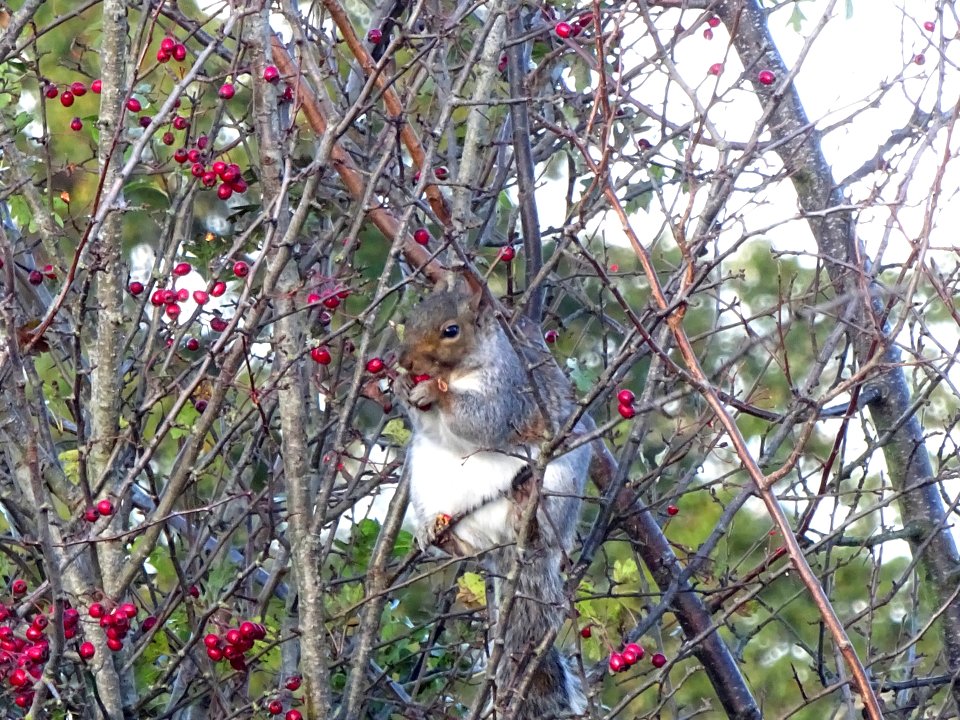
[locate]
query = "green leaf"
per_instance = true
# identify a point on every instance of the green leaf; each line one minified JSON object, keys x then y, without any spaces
{"x":796,"y":18}
{"x":626,"y":572}
{"x":397,"y":432}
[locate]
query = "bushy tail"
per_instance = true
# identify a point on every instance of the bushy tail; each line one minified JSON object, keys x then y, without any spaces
{"x":550,"y":690}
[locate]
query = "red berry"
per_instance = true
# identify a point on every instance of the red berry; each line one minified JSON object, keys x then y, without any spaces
{"x":625,"y":397}
{"x":193,"y":591}
{"x":375,"y":365}
{"x":135,"y":287}
{"x":149,"y":622}
{"x":241,"y":269}
{"x":551,"y":336}
{"x":180,"y":155}
{"x":919,"y":59}
{"x":224,"y":192}
{"x":78,"y":89}
{"x":145,"y":121}
{"x":95,"y":610}
{"x":40,"y":621}
{"x":563,"y":29}
{"x":96,"y":86}
{"x":218,"y":289}
{"x":51,"y":91}
{"x":713,"y":21}
{"x":716,"y":69}
{"x":227,"y":91}
{"x":193,"y":155}
{"x":239,"y":185}
{"x":502,"y":65}
{"x":197,"y":169}
{"x":215,"y":654}
{"x":90,"y":515}
{"x":293,"y":715}
{"x":180,"y":123}
{"x":172,"y":310}
{"x":201,"y":297}
{"x":441,"y":172}
{"x":626,"y":411}
{"x":18,"y":677}
{"x":929,"y":26}
{"x":169,"y":296}
{"x":313,"y":299}
{"x":19,"y":587}
{"x":182,"y":268}
{"x":238,"y":663}
{"x":629,"y":657}
{"x":192,"y":344}
{"x":672,"y":510}
{"x":179,"y":52}
{"x":248,"y":629}
{"x":275,"y":707}
{"x":658,"y":660}
{"x":133,"y":105}
{"x":616,"y":662}
{"x":766,"y":77}
{"x":163,"y":56}
{"x":167,"y":44}
{"x":66,"y":98}
{"x":87,"y":650}
{"x":585,"y":20}
{"x":634,"y":649}
{"x":271,"y":74}
{"x":421,"y":236}
{"x":507,"y":253}
{"x":331,"y":302}
{"x":218,"y":324}
{"x":293,"y":684}
{"x":115,"y":644}
{"x":375,"y":35}
{"x":219,"y":167}
{"x":128,"y":609}
{"x":35,"y":277}
{"x":105,"y":507}
{"x":211,"y":640}
{"x":320,"y":355}
{"x":209,"y":178}
{"x":586,"y":631}
{"x":708,"y":34}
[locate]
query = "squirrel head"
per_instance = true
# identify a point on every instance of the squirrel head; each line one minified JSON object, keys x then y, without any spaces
{"x":442,"y":331}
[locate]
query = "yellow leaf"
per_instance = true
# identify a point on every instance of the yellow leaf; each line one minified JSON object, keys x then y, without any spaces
{"x":471,"y":590}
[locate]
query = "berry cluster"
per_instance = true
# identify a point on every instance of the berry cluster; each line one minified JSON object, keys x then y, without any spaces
{"x":116,"y":622}
{"x":625,"y":398}
{"x":24,"y":648}
{"x":104,"y":508}
{"x":630,"y":655}
{"x":228,"y":174}
{"x":275,"y":706}
{"x":233,"y":645}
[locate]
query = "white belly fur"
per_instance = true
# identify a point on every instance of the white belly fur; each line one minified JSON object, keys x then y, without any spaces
{"x":450,"y":481}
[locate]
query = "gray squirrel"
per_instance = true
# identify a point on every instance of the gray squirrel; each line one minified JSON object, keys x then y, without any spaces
{"x":475,"y":411}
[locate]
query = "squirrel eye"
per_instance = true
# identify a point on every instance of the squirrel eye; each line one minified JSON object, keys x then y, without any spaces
{"x":451,"y":331}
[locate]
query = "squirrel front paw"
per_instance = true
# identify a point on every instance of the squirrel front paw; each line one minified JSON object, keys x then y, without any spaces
{"x":431,"y":531}
{"x":423,"y":393}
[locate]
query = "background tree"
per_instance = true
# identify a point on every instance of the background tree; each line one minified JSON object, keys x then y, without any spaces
{"x":214,"y":220}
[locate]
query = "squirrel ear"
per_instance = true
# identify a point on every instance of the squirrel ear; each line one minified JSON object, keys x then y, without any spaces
{"x":466,"y":286}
